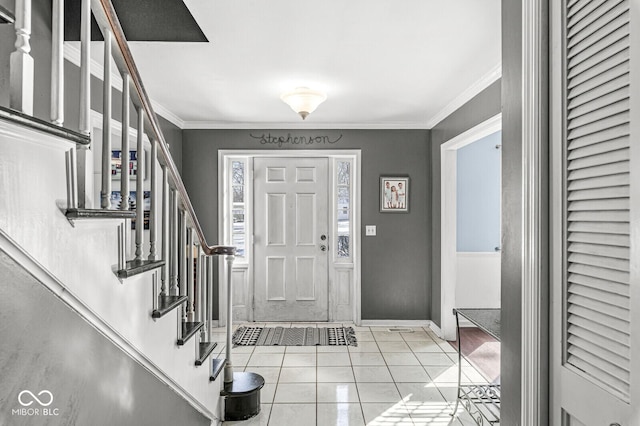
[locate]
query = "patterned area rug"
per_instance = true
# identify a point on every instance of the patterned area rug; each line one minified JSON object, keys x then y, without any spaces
{"x":295,"y":336}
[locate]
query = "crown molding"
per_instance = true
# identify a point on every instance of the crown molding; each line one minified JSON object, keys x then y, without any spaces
{"x":485,"y":81}
{"x":215,"y":125}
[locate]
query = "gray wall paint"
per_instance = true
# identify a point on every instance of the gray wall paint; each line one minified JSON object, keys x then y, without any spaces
{"x":92,"y":381}
{"x":389,"y":291}
{"x":482,"y":107}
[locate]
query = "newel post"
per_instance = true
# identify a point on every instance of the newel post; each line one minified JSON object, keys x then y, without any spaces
{"x":21,"y":61}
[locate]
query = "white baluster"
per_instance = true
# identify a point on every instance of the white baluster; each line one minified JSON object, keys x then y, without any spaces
{"x":183,"y":260}
{"x":57,"y":62}
{"x":140,"y":187}
{"x":174,"y":244}
{"x":200,"y":292}
{"x":21,"y":62}
{"x":165,"y":231}
{"x":85,"y":68}
{"x":124,"y":154}
{"x":228,"y":368}
{"x":107,"y":103}
{"x":189,"y":273}
{"x":153,"y":214}
{"x":209,"y":285}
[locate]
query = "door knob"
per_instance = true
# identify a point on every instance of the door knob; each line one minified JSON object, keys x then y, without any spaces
{"x":323,"y":237}
{"x":323,"y":248}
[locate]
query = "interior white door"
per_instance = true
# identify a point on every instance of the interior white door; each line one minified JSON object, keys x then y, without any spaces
{"x":291,"y":239}
{"x":594,"y":354}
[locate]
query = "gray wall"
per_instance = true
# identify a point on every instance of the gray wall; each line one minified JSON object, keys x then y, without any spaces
{"x":403,"y":239}
{"x":482,"y":107}
{"x":92,"y":381}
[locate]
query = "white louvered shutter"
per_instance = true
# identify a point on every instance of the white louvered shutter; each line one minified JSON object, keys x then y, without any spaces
{"x":597,"y":192}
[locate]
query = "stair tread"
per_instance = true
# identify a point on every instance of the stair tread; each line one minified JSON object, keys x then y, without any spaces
{"x":244,"y":383}
{"x":189,"y":329}
{"x":74,"y":214}
{"x":135,"y":267}
{"x":218,"y":365}
{"x":166,"y":304}
{"x":37,"y":124}
{"x":204,"y":351}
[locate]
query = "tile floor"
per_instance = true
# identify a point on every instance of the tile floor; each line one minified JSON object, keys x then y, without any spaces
{"x":389,"y":379}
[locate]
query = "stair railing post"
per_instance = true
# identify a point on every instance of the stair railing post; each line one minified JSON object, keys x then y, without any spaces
{"x":85,"y":160}
{"x":107,"y":102}
{"x":140,"y":172}
{"x":183,"y":283}
{"x":200,"y":293}
{"x":124,"y":153}
{"x":209,"y":286}
{"x":21,"y":68}
{"x":228,"y":368}
{"x":189,"y":275}
{"x":153,"y":213}
{"x":57,"y":62}
{"x":174,"y":244}
{"x":166,"y":256}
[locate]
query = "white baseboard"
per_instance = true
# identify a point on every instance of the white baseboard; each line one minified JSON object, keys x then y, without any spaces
{"x":395,"y":323}
{"x":436,"y":329}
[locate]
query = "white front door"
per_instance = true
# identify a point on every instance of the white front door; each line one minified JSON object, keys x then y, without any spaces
{"x":291,"y":239}
{"x":595,"y":311}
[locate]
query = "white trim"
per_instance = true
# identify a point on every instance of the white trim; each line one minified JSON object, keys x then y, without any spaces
{"x":485,"y":81}
{"x":448,"y":259}
{"x":396,"y":323}
{"x":306,"y":125}
{"x":44,"y":276}
{"x":223,"y":208}
{"x":534,"y":135}
{"x":436,"y":330}
{"x":72,"y":54}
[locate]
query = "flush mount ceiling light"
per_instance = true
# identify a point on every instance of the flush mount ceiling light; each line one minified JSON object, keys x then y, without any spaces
{"x":303,"y":100}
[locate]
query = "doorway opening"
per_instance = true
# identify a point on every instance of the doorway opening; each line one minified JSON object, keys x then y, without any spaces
{"x":470,"y":223}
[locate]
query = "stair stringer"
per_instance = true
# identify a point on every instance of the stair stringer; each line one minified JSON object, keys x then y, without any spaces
{"x":79,"y":263}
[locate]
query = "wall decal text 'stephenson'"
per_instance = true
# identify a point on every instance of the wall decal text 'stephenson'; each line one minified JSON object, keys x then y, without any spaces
{"x":269,"y":139}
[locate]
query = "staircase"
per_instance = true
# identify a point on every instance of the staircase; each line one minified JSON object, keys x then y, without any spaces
{"x":72,"y":216}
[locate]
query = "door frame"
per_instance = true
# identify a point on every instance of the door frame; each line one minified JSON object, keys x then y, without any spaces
{"x":448,"y":223}
{"x":336,"y":267}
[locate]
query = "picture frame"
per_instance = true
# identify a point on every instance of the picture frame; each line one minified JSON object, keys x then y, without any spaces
{"x":394,"y":194}
{"x":116,"y":165}
{"x":116,"y":200}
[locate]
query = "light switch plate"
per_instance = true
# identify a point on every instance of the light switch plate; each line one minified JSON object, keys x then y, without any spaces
{"x":370,"y":230}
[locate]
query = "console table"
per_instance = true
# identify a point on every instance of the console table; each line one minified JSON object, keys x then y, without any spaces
{"x":482,"y":401}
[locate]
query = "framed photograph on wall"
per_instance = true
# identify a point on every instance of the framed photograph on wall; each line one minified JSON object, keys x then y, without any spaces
{"x":116,"y":165}
{"x":394,"y":194}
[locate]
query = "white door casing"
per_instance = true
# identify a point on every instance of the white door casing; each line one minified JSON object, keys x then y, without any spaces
{"x":290,"y":239}
{"x":595,"y":211}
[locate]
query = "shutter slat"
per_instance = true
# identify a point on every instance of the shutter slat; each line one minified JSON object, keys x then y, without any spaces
{"x":614,"y":228}
{"x":592,"y":344}
{"x":602,"y":238}
{"x":614,"y":60}
{"x":590,"y":205}
{"x":600,"y":250}
{"x":601,"y":136}
{"x":620,"y":386}
{"x":600,"y":295}
{"x":602,"y":273}
{"x":596,"y":126}
{"x":599,"y":114}
{"x":617,"y":337}
{"x":599,"y":182}
{"x":603,"y":56}
{"x":611,"y":216}
{"x":595,"y":36}
{"x":576,"y":6}
{"x":599,"y":148}
{"x":599,"y":103}
{"x":599,"y":193}
{"x":599,"y":360}
{"x":599,"y":284}
{"x":599,"y":49}
{"x":603,"y":262}
{"x":616,"y":156}
{"x":577,"y":98}
{"x":601,"y":170}
{"x":595,"y":305}
{"x":588,"y":16}
{"x":598,"y":318}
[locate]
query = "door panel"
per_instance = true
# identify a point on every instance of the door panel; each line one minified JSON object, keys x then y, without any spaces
{"x":291,"y":214}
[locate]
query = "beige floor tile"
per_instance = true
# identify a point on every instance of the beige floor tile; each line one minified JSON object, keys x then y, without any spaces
{"x":269,"y":349}
{"x":409,"y":374}
{"x":297,"y":374}
{"x":386,"y":414}
{"x":337,"y":392}
{"x":293,"y":415}
{"x":328,"y":359}
{"x":434,"y":358}
{"x":300,"y":349}
{"x":295,"y":393}
{"x":400,"y":358}
{"x":335,"y":374}
{"x":265,"y":360}
{"x":372,"y":373}
{"x":267,"y":393}
{"x":426,"y":346}
{"x":364,"y":336}
{"x":378,"y":392}
{"x":367,"y":358}
{"x":387,"y":336}
{"x":332,"y":349}
{"x":394,"y":347}
{"x":339,"y":414}
{"x":299,"y":360}
{"x":364,"y":347}
{"x":417,"y":336}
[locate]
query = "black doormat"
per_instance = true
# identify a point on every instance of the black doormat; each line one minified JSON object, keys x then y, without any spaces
{"x":295,"y":336}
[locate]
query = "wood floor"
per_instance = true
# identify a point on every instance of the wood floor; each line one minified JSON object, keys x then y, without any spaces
{"x":481,"y":350}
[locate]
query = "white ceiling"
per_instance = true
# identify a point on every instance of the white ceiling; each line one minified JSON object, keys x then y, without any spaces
{"x":382,"y":63}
